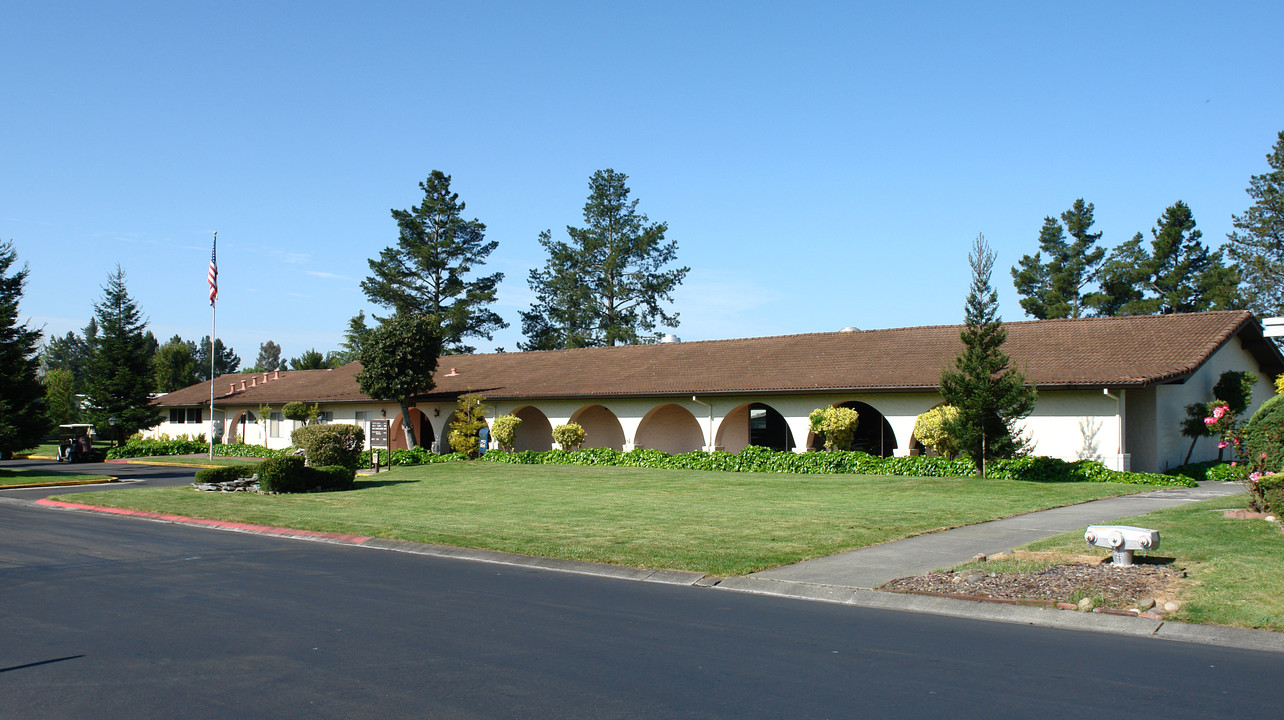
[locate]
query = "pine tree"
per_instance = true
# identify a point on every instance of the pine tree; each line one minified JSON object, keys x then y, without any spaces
{"x":1178,"y":274}
{"x":430,"y":269}
{"x":120,"y":371}
{"x":608,"y":284}
{"x":269,"y":357}
{"x":311,"y":359}
{"x":1058,"y":287}
{"x":991,"y":396}
{"x":23,"y":420}
{"x":174,"y":365}
{"x":226,"y":361}
{"x":1257,"y":243}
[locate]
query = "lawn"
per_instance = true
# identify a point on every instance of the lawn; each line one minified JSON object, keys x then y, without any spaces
{"x":1235,"y":568}
{"x":717,"y":523}
{"x":23,"y":476}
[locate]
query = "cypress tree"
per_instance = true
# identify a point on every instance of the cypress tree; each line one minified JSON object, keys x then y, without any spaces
{"x":991,"y":395}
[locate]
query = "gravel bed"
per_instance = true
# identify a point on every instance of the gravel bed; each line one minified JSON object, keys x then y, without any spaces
{"x":1116,"y":587}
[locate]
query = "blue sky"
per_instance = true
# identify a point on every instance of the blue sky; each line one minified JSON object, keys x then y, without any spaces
{"x":819,"y":165}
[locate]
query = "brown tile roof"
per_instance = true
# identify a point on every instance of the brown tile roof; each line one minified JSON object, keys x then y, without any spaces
{"x":1124,"y":352}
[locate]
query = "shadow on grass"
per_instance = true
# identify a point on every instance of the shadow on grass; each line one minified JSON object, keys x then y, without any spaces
{"x":365,"y":484}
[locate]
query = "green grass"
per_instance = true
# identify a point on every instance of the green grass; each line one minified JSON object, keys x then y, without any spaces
{"x":23,"y":476}
{"x":45,"y":449}
{"x":717,"y":523}
{"x":1235,"y":567}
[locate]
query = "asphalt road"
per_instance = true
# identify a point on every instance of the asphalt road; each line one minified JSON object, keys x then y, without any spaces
{"x":108,"y":617}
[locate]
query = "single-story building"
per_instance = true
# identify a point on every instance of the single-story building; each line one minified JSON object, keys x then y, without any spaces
{"x":1112,"y":389}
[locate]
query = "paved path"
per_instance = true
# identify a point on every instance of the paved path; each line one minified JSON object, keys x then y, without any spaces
{"x":873,"y":566}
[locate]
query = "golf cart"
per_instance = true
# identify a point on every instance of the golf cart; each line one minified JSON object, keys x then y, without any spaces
{"x":75,"y":442}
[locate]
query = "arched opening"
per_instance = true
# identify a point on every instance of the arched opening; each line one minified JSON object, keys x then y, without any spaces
{"x":424,"y":435}
{"x":240,"y":424}
{"x":535,"y":432}
{"x":601,"y":427}
{"x":671,"y":428}
{"x":754,"y":424}
{"x":873,"y":433}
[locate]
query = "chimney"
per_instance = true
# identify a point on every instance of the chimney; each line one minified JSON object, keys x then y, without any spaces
{"x":265,"y":378}
{"x":231,"y":388}
{"x":276,"y":374}
{"x":254,"y":381}
{"x":452,"y":373}
{"x":242,"y":386}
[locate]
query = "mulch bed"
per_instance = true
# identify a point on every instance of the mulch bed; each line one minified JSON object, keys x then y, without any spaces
{"x":1116,"y":587}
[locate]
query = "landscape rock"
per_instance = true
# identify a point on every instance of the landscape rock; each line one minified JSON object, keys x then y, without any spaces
{"x":1172,"y":606}
{"x":979,"y":557}
{"x":1145,"y":603}
{"x":1086,"y":605}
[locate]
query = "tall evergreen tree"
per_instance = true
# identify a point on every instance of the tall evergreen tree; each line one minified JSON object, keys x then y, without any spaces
{"x":1257,"y":243}
{"x":23,"y":420}
{"x":607,"y":286}
{"x":120,"y":378}
{"x":430,"y":271}
{"x":269,"y":357}
{"x":71,"y":352}
{"x":1058,"y":286}
{"x":311,"y":359}
{"x":226,"y":360}
{"x":991,"y":395}
{"x":1178,"y":273}
{"x":353,"y":337}
{"x":61,"y":402}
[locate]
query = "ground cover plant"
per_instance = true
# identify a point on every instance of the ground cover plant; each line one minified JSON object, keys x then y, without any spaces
{"x":711,"y":522}
{"x":1234,"y":568}
{"x":32,"y":476}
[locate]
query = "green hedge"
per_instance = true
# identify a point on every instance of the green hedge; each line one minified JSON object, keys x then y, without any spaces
{"x":289,"y":475}
{"x":1271,"y":490}
{"x":225,"y":473}
{"x":152,"y":448}
{"x":331,"y":444}
{"x":418,"y":456}
{"x":760,"y":459}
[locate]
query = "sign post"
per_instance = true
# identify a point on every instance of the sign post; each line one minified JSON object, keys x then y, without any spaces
{"x":379,"y":440}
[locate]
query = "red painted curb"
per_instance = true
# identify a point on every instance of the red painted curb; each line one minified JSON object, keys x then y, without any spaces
{"x":222,"y":524}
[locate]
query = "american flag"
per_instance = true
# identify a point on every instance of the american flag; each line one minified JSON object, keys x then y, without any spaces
{"x":212,"y":276}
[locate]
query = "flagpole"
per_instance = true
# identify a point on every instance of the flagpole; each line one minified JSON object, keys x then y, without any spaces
{"x":213,"y":279}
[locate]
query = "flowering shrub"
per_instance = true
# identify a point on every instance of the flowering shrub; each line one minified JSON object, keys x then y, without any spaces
{"x":929,"y":428}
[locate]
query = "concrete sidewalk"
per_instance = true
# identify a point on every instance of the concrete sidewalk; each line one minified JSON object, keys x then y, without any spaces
{"x":873,"y":566}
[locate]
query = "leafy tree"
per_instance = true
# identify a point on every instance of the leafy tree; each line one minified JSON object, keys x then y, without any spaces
{"x":837,"y":425}
{"x":504,"y":430}
{"x":398,"y":359}
{"x":569,"y":436}
{"x":930,"y":429}
{"x":23,"y":418}
{"x":1177,"y":274}
{"x":607,"y":285}
{"x":466,"y":424}
{"x":1058,"y":286}
{"x":61,"y":403}
{"x":269,"y":357}
{"x":226,"y":361}
{"x":300,"y":412}
{"x":120,"y":371}
{"x":430,"y":269}
{"x":1257,"y":243}
{"x":991,"y":396}
{"x":174,"y":366}
{"x":311,"y":359}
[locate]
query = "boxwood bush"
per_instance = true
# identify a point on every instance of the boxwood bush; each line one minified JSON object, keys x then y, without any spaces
{"x":226,"y":473}
{"x":289,"y":475}
{"x":331,"y":444}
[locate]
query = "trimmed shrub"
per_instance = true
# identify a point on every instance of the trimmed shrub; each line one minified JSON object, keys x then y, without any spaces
{"x":300,"y":412}
{"x":333,"y":444}
{"x":1271,"y":489}
{"x":329,"y":477}
{"x":468,"y":420}
{"x":836,"y":424}
{"x":504,"y":430}
{"x":283,"y":475}
{"x":569,"y":436}
{"x":152,"y":448}
{"x":929,"y":428}
{"x":226,"y":473}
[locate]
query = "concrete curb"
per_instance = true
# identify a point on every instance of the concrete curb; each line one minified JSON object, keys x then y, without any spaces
{"x":1260,"y":640}
{"x":63,"y":483}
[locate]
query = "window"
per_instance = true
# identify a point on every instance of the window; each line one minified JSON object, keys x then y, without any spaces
{"x":186,"y":415}
{"x":195,"y":415}
{"x":325,"y":417}
{"x":274,"y":425}
{"x":176,"y":415}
